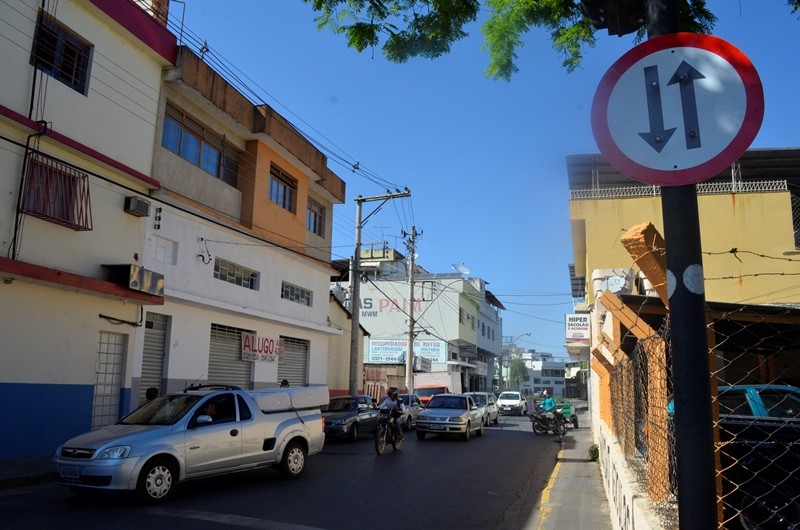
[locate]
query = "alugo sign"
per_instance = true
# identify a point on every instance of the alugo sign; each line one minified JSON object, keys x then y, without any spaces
{"x":677,"y":109}
{"x":263,"y":349}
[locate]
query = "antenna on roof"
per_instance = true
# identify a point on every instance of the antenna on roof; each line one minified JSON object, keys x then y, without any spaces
{"x":461,"y":269}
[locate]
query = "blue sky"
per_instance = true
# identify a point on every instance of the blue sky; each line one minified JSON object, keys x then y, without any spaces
{"x":484,"y":159}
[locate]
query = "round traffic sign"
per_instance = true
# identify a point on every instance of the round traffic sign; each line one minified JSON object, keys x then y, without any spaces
{"x":677,"y":109}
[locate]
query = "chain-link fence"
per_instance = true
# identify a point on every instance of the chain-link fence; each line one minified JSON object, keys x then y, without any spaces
{"x":754,"y":360}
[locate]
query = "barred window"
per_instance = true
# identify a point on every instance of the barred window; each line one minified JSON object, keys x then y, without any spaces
{"x":57,"y":193}
{"x":297,"y":294}
{"x":197,"y":145}
{"x":315,"y":218}
{"x":61,"y":54}
{"x":282,"y":190}
{"x":230,"y":272}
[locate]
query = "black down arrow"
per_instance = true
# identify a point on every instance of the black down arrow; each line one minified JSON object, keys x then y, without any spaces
{"x":658,"y":136}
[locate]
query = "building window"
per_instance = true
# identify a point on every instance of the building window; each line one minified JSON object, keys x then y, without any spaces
{"x":297,"y":294}
{"x":165,"y":250}
{"x":282,"y":190}
{"x":57,"y":193}
{"x":197,"y":145}
{"x":315,"y":218}
{"x":230,"y":272}
{"x":61,"y":54}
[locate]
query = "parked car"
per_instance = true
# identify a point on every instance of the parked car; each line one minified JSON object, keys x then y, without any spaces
{"x":511,"y":402}
{"x":759,"y":426}
{"x":426,"y":392}
{"x":489,"y":403}
{"x":450,"y":414}
{"x":773,"y":401}
{"x":188,"y":435}
{"x":347,"y":416}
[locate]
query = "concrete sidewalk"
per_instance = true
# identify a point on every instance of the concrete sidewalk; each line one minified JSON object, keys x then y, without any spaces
{"x":574,"y":496}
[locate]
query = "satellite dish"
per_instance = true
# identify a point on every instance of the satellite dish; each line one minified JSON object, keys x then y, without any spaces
{"x":461,"y":269}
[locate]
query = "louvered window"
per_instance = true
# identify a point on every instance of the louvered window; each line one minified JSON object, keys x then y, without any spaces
{"x":57,"y":193}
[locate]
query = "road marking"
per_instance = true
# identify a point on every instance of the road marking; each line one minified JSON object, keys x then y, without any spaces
{"x":544,"y":504}
{"x":228,"y":520}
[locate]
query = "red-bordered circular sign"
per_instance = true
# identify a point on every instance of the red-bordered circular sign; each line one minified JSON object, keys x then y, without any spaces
{"x":677,"y":109}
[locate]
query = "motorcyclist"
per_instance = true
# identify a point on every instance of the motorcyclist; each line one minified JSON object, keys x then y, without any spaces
{"x":395,"y":407}
{"x":549,"y":405}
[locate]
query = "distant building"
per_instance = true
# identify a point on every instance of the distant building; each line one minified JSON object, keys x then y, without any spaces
{"x":457,"y":321}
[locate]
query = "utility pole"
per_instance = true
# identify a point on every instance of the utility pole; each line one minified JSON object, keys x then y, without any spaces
{"x":411,"y":245}
{"x":355,"y":281}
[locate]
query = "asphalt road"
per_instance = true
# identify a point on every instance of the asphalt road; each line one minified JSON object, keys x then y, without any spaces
{"x":490,"y":482}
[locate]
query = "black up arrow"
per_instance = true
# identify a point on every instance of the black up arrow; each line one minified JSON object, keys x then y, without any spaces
{"x":685,"y":76}
{"x":658,"y":137}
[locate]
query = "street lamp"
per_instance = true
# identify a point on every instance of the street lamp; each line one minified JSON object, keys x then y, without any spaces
{"x":505,"y":361}
{"x":519,"y":337}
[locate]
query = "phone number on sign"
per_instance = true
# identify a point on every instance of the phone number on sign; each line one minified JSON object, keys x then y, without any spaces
{"x":260,"y":357}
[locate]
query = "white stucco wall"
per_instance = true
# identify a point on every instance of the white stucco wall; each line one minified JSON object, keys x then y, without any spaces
{"x":50,"y":335}
{"x":191,"y":277}
{"x":123,"y":86}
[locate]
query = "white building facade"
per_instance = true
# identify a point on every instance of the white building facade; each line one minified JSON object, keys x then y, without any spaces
{"x":157,"y":227}
{"x":457,"y":322}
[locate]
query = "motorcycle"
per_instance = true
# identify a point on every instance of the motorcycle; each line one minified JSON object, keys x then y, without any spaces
{"x":385,"y":432}
{"x":543,"y":421}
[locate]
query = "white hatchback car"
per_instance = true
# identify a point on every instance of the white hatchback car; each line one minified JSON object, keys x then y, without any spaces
{"x":487,"y":400}
{"x":511,"y":402}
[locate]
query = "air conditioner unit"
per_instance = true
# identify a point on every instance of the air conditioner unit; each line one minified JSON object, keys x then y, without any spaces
{"x":137,"y":206}
{"x":136,"y":278}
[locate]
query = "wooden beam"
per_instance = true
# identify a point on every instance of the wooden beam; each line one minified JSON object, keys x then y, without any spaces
{"x":646,"y":247}
{"x":626,"y":316}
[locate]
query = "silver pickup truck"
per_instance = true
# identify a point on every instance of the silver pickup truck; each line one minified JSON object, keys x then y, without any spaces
{"x":193,"y":434}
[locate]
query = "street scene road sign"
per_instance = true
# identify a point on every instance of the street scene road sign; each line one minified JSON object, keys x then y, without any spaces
{"x":677,"y":109}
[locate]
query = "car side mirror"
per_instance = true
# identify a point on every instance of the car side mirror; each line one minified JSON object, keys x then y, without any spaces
{"x":204,"y":419}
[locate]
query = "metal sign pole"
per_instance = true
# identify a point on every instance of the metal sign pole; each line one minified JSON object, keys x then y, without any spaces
{"x":694,"y":433}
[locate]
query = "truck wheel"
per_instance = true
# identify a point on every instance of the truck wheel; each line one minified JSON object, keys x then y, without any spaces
{"x":294,"y":460}
{"x":157,"y":481}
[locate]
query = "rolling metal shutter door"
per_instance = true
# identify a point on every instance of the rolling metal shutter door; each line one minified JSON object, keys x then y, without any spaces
{"x":155,"y":338}
{"x":225,"y":364}
{"x":294,"y":365}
